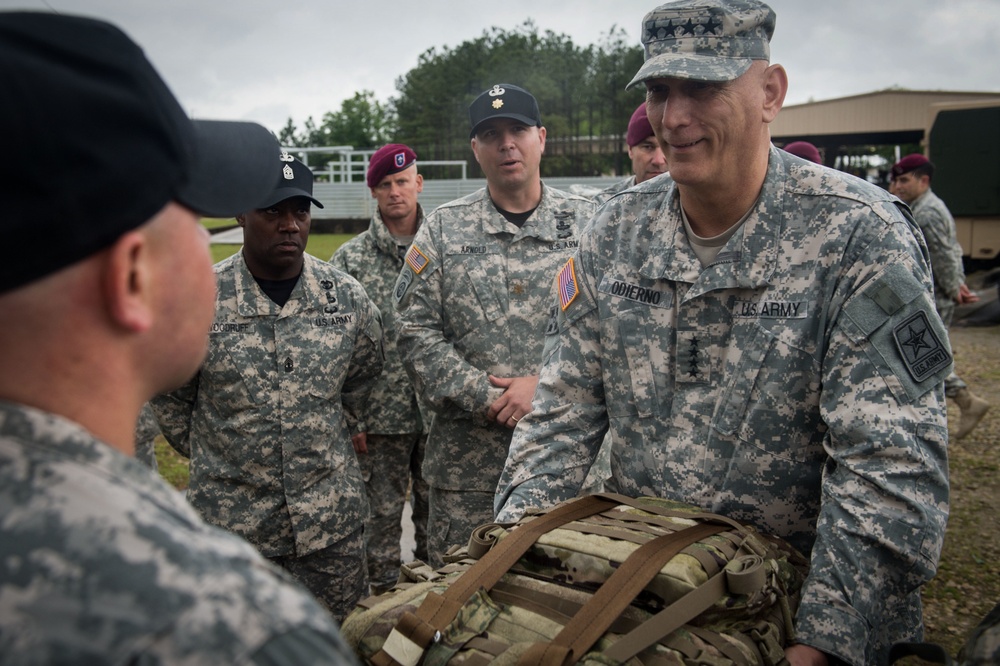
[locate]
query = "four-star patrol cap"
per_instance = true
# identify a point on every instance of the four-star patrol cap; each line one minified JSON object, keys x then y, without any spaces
{"x":97,"y":145}
{"x":705,"y":40}
{"x":293,"y":179}
{"x":504,"y":101}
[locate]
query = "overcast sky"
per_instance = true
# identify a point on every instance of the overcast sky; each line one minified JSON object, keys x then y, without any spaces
{"x":268,"y":60}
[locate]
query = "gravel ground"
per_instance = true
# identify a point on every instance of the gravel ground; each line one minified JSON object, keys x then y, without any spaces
{"x":968,"y":582}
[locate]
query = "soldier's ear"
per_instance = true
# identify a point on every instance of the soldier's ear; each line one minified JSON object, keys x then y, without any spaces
{"x":126,"y":282}
{"x":775,"y":86}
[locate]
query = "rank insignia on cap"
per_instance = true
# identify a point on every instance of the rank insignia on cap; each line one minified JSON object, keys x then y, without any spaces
{"x":400,"y":160}
{"x":922,"y":352}
{"x":416,"y":259}
{"x":567,"y":285}
{"x":285,"y":157}
{"x":287,"y":172}
{"x":497,"y":103}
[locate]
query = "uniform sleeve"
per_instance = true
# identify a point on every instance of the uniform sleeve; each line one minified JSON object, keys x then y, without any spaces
{"x":443,"y":378}
{"x":885,"y":485}
{"x":339,"y":260}
{"x":946,"y":260}
{"x":555,"y":445}
{"x":366,"y":364}
{"x":173,"y":412}
{"x":304,"y":646}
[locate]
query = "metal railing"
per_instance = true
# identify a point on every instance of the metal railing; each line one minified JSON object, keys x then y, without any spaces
{"x":350,"y":165}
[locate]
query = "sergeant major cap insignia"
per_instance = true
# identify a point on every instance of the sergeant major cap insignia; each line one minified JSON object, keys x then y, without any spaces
{"x":287,"y":172}
{"x":285,"y":157}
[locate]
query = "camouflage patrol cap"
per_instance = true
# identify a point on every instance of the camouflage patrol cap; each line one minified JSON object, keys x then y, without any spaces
{"x":705,"y":40}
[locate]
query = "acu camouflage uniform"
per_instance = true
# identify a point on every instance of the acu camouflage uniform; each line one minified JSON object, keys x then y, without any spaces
{"x":474,"y":298}
{"x":267,"y":421}
{"x":146,"y":430}
{"x":794,"y":384}
{"x":396,"y":433}
{"x":614,"y":189}
{"x":938,"y":227}
{"x":102,"y":563}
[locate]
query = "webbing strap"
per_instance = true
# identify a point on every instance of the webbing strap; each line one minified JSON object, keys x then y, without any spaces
{"x":668,"y":620}
{"x":670,"y":513}
{"x":613,"y":597}
{"x":437,"y":611}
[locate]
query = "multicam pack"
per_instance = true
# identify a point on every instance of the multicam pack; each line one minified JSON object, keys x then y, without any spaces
{"x":602,"y":579}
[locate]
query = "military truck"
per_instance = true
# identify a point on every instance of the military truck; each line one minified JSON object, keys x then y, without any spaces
{"x":963,"y":142}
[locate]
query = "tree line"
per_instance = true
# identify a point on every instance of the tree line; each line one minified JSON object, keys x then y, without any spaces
{"x":580,"y":91}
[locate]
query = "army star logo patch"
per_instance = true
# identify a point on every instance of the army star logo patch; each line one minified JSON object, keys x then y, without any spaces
{"x":921,"y":350}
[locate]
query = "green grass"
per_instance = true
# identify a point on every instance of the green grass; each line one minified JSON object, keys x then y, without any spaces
{"x":172,"y":465}
{"x":321,"y":246}
{"x":217,"y":222}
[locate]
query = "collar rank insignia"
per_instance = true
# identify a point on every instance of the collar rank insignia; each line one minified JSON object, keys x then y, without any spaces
{"x":416,"y":259}
{"x":568,"y":290}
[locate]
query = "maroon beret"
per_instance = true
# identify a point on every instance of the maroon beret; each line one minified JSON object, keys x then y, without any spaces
{"x":638,"y":126}
{"x":908,"y":164}
{"x":805,"y":150}
{"x":390,"y":158}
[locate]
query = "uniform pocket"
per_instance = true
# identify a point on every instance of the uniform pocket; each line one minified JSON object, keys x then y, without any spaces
{"x":771,"y":400}
{"x":630,"y":388}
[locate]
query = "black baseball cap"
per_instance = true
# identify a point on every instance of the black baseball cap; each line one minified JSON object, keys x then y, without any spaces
{"x":294,"y":179}
{"x":100,"y":145}
{"x":504,"y":101}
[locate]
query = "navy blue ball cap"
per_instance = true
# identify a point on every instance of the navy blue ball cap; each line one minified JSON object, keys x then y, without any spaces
{"x":100,"y":145}
{"x":504,"y":101}
{"x":291,"y":178}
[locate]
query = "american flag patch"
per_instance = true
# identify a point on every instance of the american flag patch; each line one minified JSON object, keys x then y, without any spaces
{"x":416,"y":259}
{"x":567,"y":284}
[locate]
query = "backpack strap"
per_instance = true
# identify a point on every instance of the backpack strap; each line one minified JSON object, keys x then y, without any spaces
{"x":614,"y":596}
{"x":416,"y":630}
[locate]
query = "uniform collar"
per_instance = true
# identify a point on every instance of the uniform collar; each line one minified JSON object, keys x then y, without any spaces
{"x":383,"y":240}
{"x":544,"y":224}
{"x":251,"y":301}
{"x":748,"y":260}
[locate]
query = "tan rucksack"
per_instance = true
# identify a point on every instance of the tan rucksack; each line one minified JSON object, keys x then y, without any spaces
{"x":603,"y":579}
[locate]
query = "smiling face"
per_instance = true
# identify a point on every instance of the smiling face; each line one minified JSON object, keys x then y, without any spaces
{"x":509,"y":153}
{"x":274,"y":238}
{"x":714,"y":135}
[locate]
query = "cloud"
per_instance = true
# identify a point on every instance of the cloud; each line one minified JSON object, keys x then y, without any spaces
{"x":268,"y":61}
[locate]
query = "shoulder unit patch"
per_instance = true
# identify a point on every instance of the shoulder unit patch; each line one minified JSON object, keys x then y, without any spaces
{"x":921,"y":350}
